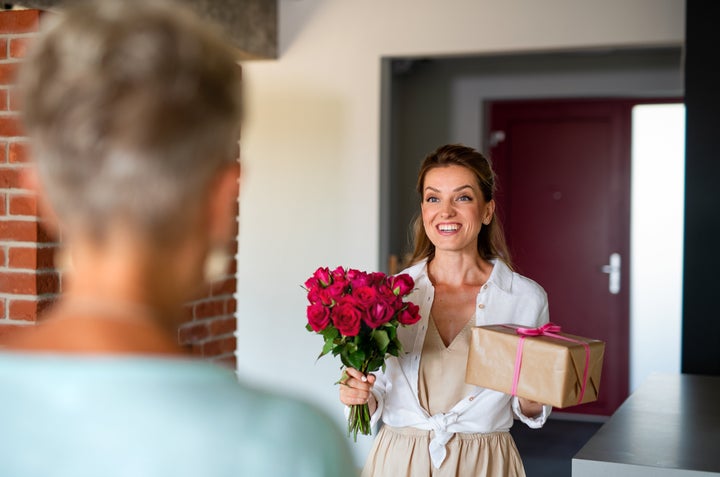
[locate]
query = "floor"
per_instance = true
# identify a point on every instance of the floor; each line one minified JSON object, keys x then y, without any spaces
{"x":548,"y":452}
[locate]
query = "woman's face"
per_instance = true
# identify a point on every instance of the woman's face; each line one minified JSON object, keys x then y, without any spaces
{"x":453,"y":208}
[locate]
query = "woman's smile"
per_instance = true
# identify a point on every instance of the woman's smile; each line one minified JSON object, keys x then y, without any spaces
{"x":448,"y":228}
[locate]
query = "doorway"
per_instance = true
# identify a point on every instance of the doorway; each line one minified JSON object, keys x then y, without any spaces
{"x":434,"y":101}
{"x":564,"y":190}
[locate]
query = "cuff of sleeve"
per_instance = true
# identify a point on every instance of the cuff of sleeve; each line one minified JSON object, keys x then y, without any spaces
{"x":532,"y":422}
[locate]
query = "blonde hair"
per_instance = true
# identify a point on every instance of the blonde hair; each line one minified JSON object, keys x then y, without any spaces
{"x":132,"y":108}
{"x":491,"y":239}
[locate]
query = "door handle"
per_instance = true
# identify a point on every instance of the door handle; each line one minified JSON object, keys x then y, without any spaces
{"x":613,"y":270}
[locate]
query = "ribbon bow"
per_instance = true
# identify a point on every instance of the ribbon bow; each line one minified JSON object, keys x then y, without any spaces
{"x":545,"y":329}
{"x":548,"y":329}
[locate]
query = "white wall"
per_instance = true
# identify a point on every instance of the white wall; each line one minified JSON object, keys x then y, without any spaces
{"x":310,"y":144}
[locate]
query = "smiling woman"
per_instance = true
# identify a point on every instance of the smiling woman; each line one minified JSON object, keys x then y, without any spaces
{"x":435,"y":423}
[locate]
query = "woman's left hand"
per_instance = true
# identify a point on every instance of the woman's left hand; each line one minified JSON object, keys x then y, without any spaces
{"x":530,"y":408}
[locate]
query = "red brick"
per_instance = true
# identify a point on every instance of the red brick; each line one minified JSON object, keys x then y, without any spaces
{"x":19,"y":230}
{"x":209,"y":309}
{"x":23,"y":205}
{"x":3,"y":48}
{"x":9,"y":178}
{"x":18,"y":47}
{"x":19,"y":21}
{"x":3,"y":205}
{"x":8,"y":73}
{"x":43,"y":235}
{"x":231,"y":307}
{"x":3,"y":152}
{"x":219,"y":347}
{"x":10,"y":126}
{"x":31,"y":283}
{"x":3,"y":254}
{"x":47,"y":283}
{"x":222,"y":326}
{"x":27,"y":310}
{"x":4,"y":101}
{"x":46,"y":258}
{"x":192,"y":333}
{"x":31,"y":258}
{"x":18,"y":152}
{"x":22,"y":257}
{"x":18,"y":283}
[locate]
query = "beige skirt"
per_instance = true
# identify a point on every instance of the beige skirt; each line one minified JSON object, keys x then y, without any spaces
{"x":403,"y":452}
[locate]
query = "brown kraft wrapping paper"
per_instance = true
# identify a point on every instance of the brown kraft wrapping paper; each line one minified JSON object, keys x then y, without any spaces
{"x":551,"y":371}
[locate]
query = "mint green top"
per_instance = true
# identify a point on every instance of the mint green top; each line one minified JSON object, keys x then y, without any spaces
{"x":63,"y":415}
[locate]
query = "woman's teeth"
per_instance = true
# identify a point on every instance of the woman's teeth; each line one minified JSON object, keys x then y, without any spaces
{"x":448,"y":227}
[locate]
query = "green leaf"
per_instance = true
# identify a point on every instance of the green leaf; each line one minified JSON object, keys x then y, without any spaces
{"x":329,"y":345}
{"x":330,"y":333}
{"x":309,"y":328}
{"x":391,"y":331}
{"x":356,"y":359}
{"x":382,"y":340}
{"x":375,"y":364}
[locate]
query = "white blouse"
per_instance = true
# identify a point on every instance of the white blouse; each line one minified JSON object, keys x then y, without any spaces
{"x":507,"y":297}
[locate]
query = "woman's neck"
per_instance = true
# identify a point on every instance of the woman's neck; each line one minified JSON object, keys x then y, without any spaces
{"x":458,"y":269}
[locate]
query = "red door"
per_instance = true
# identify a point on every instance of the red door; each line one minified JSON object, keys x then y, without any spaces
{"x":564,"y":197}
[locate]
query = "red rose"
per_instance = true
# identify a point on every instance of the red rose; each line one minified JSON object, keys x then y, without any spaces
{"x":377,"y":278}
{"x":365,"y":296}
{"x":322,"y":275}
{"x":394,"y":302}
{"x":337,"y":290}
{"x":314,"y":296}
{"x":353,"y":274}
{"x":312,"y":283}
{"x":386,"y":292}
{"x":410,"y":315}
{"x":346,"y":318}
{"x":326,"y":297}
{"x":401,"y":285}
{"x":318,"y":317}
{"x":379,"y":314}
{"x":358,"y":279}
{"x":338,"y":274}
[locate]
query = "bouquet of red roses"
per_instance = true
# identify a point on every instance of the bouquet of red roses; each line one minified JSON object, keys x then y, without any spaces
{"x":358,"y":313}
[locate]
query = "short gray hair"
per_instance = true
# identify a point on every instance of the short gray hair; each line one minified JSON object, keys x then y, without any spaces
{"x":132,"y":108}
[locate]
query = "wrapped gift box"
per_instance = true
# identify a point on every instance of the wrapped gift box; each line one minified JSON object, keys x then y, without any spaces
{"x":551,"y":369}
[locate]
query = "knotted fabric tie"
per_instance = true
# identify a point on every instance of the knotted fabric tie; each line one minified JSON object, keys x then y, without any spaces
{"x":440,"y":422}
{"x":551,"y":330}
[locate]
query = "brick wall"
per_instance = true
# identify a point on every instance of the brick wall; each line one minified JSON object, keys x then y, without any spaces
{"x":28,"y":279}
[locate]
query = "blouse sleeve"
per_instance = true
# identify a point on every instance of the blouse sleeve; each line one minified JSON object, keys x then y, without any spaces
{"x":533,"y":422}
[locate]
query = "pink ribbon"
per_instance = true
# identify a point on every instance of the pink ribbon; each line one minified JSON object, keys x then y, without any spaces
{"x":551,"y":330}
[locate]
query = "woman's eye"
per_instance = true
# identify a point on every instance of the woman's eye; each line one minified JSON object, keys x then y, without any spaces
{"x":464,"y":198}
{"x":432,"y":199}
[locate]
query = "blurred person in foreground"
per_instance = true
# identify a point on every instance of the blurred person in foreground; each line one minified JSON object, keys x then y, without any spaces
{"x":133,"y":110}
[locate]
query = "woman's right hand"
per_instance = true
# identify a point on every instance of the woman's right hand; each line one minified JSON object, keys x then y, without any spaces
{"x":355,"y":390}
